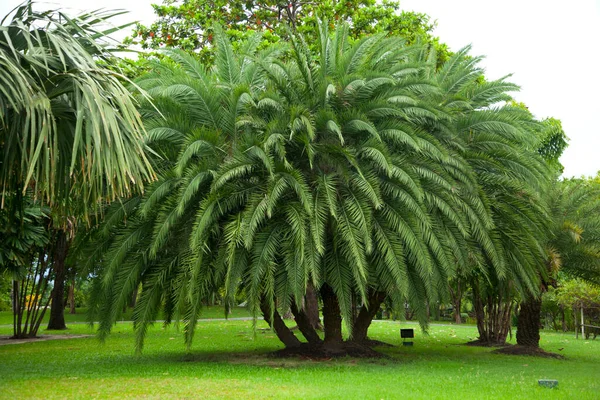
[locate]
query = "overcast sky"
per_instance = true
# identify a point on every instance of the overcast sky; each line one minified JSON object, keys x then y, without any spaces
{"x":551,"y":47}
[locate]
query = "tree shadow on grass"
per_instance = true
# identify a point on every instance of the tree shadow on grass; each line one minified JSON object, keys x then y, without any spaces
{"x":516,"y":350}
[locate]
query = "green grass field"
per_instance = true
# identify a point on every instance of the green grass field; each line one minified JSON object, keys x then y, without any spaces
{"x":229,"y":361}
{"x":211,"y":312}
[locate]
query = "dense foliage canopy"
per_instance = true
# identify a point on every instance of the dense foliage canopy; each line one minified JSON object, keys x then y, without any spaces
{"x":361,"y":167}
{"x":188,"y":25}
{"x":68,"y":127}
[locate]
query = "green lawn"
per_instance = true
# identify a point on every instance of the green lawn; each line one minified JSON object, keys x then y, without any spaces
{"x":211,"y":312}
{"x":228,"y":361}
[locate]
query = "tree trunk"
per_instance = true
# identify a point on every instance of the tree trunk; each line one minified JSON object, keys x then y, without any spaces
{"x":133,"y":299}
{"x":479,"y":315}
{"x":528,"y":322}
{"x":285,"y":335}
{"x":311,"y":307}
{"x":366,"y":315}
{"x":16,"y":308}
{"x":72,"y":297}
{"x":493,"y":312}
{"x":332,"y":318}
{"x":57,"y":308}
{"x":305,"y":325}
{"x":456,"y":296}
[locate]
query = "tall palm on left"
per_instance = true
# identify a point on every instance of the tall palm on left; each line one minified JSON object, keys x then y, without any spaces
{"x":69,"y":129}
{"x":66,"y":123}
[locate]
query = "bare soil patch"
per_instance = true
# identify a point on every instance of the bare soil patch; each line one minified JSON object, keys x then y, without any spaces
{"x":482,"y":343}
{"x":326,"y":351}
{"x":527,"y":351}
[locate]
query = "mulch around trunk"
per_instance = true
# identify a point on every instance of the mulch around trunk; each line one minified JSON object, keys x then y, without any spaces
{"x":517,"y":350}
{"x":325,"y":351}
{"x":376,"y":343}
{"x":483,"y":343}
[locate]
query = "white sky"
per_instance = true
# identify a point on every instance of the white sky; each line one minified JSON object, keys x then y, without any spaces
{"x":551,"y":47}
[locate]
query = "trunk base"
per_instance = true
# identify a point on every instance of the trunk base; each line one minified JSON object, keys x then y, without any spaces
{"x":528,"y":323}
{"x":326,"y":351}
{"x":517,"y":350}
{"x":58,"y":327}
{"x":23,"y":336}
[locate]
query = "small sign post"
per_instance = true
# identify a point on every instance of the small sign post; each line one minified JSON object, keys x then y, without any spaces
{"x":407,"y":334}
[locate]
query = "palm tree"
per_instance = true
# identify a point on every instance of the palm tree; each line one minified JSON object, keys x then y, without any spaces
{"x":498,"y":140}
{"x":292,"y":170}
{"x":573,"y":247}
{"x":67,"y":124}
{"x":69,"y":129}
{"x":418,"y":203}
{"x":192,"y":127}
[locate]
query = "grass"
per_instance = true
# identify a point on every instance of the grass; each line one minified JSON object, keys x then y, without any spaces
{"x":228,"y":360}
{"x":211,"y":312}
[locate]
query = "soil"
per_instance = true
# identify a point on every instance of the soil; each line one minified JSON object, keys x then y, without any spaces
{"x":325,"y":351}
{"x":7,"y":340}
{"x":376,"y":343}
{"x":527,"y":351}
{"x":481,"y":343}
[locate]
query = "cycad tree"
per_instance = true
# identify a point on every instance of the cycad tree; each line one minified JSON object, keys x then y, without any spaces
{"x":392,"y":202}
{"x":280,"y":171}
{"x":192,"y":127}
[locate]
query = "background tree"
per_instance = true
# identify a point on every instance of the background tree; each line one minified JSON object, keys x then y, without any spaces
{"x":69,"y":130}
{"x":575,"y":294}
{"x":496,"y":138}
{"x":187,"y":25}
{"x":573,"y":248}
{"x":23,"y":257}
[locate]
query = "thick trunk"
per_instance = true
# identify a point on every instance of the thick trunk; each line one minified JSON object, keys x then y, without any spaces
{"x":528,"y":322}
{"x":305,"y":326}
{"x":366,"y":315}
{"x":285,"y":335}
{"x":57,"y":309}
{"x":332,"y":318}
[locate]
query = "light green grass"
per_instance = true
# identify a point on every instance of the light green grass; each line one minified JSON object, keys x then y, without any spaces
{"x":228,"y":361}
{"x":210,"y":312}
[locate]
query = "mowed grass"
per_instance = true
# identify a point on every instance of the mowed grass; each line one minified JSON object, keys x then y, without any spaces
{"x":80,"y":316}
{"x":230,"y":360}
